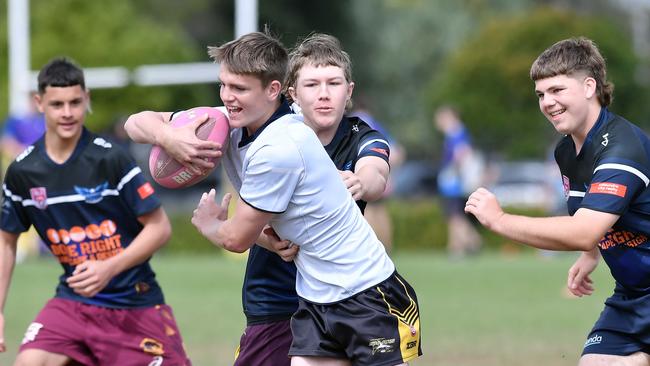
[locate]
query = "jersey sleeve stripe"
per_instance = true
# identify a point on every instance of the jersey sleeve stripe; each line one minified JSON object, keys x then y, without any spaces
{"x":127,"y":178}
{"x":626,"y":168}
{"x":576,"y":194}
{"x":370,"y":142}
{"x":9,"y":194}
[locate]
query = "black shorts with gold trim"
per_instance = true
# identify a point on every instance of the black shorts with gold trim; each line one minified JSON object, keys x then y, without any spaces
{"x":379,"y":326}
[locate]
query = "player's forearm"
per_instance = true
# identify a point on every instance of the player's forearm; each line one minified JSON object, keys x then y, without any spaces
{"x":230,"y":237}
{"x":152,"y":237}
{"x":373,"y":181}
{"x":561,"y":233}
{"x":7,"y":263}
{"x":147,"y":127}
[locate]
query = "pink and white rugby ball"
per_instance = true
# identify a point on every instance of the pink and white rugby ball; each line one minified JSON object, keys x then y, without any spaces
{"x":168,"y":172}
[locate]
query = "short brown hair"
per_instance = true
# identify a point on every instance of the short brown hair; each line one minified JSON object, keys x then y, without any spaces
{"x":258,"y":54}
{"x":571,"y":56}
{"x":318,"y":49}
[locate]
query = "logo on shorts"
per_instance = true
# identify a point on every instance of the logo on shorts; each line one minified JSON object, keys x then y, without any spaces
{"x":39,"y":196}
{"x":32,"y":332}
{"x":596,"y":339}
{"x":382,"y":345}
{"x":157,"y":361}
{"x":152,"y":347}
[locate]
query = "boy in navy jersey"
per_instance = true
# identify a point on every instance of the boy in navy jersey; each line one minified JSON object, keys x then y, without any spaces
{"x":102,"y":221}
{"x":605,"y":166}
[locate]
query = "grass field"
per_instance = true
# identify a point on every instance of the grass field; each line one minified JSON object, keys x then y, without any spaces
{"x":491,"y":310}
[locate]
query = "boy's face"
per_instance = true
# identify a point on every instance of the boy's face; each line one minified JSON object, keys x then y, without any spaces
{"x":566,"y":100}
{"x":64,"y":109}
{"x":322,"y":93}
{"x":249,"y":104}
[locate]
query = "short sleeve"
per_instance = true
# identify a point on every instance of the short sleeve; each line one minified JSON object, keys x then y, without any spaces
{"x":374,"y":144}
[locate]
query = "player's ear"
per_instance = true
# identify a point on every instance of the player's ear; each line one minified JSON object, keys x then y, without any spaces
{"x":590,"y":86}
{"x":38,"y":101}
{"x":350,"y":89}
{"x":274,"y":89}
{"x":89,"y":108}
{"x":293,"y":95}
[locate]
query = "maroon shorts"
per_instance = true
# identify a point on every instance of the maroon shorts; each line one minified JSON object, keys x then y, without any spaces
{"x":94,"y":335}
{"x":265,"y":345}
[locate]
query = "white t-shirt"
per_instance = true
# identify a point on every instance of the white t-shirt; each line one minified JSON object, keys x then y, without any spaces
{"x":286,"y":170}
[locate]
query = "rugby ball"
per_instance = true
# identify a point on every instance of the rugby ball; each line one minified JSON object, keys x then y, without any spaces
{"x":168,"y":172}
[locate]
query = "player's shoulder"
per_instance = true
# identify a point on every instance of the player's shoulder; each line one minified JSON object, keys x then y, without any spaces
{"x":363,"y":128}
{"x":104,"y":148}
{"x":24,"y":160}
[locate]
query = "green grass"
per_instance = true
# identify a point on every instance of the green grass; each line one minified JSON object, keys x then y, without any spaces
{"x":491,"y":310}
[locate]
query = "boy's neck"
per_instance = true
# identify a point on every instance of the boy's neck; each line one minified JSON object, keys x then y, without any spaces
{"x":580,"y":135}
{"x":253,"y":127}
{"x":60,"y":150}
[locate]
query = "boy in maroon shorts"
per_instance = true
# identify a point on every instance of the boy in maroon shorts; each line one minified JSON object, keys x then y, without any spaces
{"x":91,"y":205}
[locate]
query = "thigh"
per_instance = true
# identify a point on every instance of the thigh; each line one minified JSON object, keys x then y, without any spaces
{"x":58,"y":330}
{"x":38,"y":357}
{"x":144,"y":336}
{"x":636,"y":359}
{"x":265,"y":345}
{"x":318,"y":361}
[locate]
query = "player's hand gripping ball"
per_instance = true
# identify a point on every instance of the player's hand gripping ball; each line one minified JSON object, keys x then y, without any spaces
{"x":168,"y":172}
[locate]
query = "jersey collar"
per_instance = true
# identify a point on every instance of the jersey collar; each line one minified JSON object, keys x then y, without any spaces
{"x":282,"y":110}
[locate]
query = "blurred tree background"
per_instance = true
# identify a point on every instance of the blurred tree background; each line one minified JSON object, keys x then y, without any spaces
{"x":409,"y":56}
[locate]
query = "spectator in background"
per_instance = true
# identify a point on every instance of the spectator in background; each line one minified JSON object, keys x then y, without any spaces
{"x":376,"y":212}
{"x":461,"y":171}
{"x":20,"y":131}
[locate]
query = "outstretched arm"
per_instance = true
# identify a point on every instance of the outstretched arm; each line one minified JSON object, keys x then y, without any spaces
{"x":90,"y":277}
{"x":8,"y":242}
{"x":582,"y":231}
{"x":181,"y":143}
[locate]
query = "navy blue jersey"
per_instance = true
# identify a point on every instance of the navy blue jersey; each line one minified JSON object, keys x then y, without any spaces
{"x":610,"y":174}
{"x":269,"y":290}
{"x":84,"y":209}
{"x":355,"y":139}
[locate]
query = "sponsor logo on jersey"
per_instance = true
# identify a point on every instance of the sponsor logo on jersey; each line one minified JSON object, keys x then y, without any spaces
{"x":347,"y":166}
{"x":39,"y":196}
{"x":152,"y":347}
{"x":382,"y":345}
{"x":621,"y":237}
{"x":77,"y":244}
{"x":567,"y":187}
{"x":380,"y":151}
{"x":92,"y":195}
{"x":608,"y":188}
{"x":145,"y":190}
{"x":596,"y":339}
